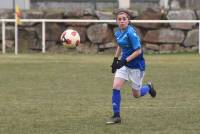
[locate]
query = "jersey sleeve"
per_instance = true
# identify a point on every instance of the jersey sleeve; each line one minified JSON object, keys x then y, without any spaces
{"x":134,"y":39}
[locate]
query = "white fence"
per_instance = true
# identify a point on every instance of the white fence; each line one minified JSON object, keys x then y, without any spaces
{"x":44,"y":21}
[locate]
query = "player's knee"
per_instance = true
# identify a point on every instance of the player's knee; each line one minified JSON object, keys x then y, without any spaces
{"x":136,"y":94}
{"x":118,"y":83}
{"x":117,"y":86}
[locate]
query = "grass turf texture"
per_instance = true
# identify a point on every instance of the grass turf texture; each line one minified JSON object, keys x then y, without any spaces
{"x":57,"y":94}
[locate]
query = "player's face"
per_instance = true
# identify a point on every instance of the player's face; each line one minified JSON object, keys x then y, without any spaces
{"x":122,"y":21}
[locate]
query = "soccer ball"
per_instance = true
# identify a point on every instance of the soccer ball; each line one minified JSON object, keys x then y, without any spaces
{"x":70,"y":38}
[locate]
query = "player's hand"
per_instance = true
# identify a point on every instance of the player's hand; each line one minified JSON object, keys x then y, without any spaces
{"x":121,"y":63}
{"x":114,"y":64}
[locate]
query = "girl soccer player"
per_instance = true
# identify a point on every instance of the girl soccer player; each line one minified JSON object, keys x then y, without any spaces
{"x":131,"y":66}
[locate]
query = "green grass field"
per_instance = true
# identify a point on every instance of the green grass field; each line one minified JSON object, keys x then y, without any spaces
{"x":71,"y":94}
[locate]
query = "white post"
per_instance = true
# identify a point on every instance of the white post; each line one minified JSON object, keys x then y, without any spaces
{"x":43,"y":36}
{"x":124,"y":4}
{"x":199,"y":37}
{"x":3,"y":37}
{"x":26,"y":4}
{"x":164,"y":4}
{"x":16,"y":38}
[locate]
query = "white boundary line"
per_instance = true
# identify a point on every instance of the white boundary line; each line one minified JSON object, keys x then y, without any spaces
{"x":44,"y":21}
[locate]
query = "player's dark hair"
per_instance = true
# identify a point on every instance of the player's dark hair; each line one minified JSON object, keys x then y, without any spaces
{"x":123,"y":11}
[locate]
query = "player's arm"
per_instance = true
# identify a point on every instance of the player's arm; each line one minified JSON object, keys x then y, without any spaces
{"x":115,"y":60}
{"x":136,"y":44}
{"x":121,"y":63}
{"x":118,"y":52}
{"x":134,"y":55}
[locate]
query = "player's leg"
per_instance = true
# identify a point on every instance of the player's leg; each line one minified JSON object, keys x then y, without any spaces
{"x":152,"y":91}
{"x":137,"y":88}
{"x":119,"y":80}
{"x":141,"y":92}
{"x":148,"y":88}
{"x":116,"y":95}
{"x":116,"y":100}
{"x":136,"y":93}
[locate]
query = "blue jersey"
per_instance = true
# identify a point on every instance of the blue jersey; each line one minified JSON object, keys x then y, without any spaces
{"x":129,"y":42}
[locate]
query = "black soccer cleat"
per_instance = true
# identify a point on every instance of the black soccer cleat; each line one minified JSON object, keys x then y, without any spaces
{"x":152,"y":91}
{"x":114,"y":120}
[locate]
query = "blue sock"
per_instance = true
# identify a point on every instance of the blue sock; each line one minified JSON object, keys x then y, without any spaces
{"x":116,"y":100}
{"x":144,"y":90}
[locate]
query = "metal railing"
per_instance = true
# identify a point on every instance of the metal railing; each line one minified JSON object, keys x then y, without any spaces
{"x":44,"y":21}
